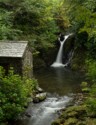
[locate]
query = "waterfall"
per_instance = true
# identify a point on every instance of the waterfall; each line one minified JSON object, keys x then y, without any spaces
{"x":58,"y":62}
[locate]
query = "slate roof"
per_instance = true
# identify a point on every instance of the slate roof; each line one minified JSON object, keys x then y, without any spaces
{"x":12,"y":49}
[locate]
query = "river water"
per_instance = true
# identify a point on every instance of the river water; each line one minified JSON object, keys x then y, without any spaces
{"x":60,"y":84}
{"x":59,"y":80}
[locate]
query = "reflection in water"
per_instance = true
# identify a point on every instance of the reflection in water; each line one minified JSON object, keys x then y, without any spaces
{"x":59,"y":80}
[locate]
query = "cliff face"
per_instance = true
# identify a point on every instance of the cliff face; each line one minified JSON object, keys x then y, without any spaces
{"x":78,"y":60}
{"x":45,"y":58}
{"x":80,"y":52}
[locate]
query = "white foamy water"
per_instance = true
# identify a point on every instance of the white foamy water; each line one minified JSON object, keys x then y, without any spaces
{"x":55,"y":64}
{"x":45,"y":112}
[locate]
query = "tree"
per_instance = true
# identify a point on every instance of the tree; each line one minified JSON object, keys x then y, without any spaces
{"x":6,"y":27}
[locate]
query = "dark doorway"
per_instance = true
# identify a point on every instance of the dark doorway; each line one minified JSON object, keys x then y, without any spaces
{"x":6,"y":67}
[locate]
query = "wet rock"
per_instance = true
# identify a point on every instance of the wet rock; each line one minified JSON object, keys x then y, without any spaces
{"x":27,"y":114}
{"x":39,"y":97}
{"x":39,"y":90}
{"x":36,"y":100}
{"x":79,"y":99}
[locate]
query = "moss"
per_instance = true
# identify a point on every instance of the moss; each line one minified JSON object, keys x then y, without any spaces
{"x":72,"y":116}
{"x":66,"y":114}
{"x":81,"y":108}
{"x":75,"y":115}
{"x":74,"y":66}
{"x":86,"y":90}
{"x":71,"y":121}
{"x":57,"y":122}
{"x":85,"y":87}
{"x":90,"y":121}
{"x":78,"y":60}
{"x":81,"y":123}
{"x":74,"y":112}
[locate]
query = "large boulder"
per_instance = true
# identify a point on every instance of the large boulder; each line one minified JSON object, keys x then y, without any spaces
{"x":39,"y":90}
{"x":39,"y":97}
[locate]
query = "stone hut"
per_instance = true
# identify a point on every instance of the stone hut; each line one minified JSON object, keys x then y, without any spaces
{"x":17,"y":55}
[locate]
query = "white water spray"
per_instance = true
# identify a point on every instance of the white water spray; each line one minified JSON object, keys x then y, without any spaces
{"x":45,"y":112}
{"x":58,"y":62}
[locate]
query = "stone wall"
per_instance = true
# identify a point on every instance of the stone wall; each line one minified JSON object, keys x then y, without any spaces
{"x":27,"y":63}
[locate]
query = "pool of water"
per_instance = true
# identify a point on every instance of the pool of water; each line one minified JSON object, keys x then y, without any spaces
{"x":59,"y":80}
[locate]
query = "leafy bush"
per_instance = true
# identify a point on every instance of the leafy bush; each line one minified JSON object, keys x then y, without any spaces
{"x":85,"y":87}
{"x":91,"y":75}
{"x":6,"y":26}
{"x":15,"y":93}
{"x":91,"y":69}
{"x":91,"y":101}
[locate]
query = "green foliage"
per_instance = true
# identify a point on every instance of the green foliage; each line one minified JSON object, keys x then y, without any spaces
{"x":91,"y":46}
{"x":91,"y":69}
{"x":91,"y":75}
{"x":15,"y":93}
{"x":82,"y":16}
{"x":40,"y":20}
{"x":85,"y":87}
{"x":91,"y":101}
{"x":37,"y":21}
{"x":6,"y":29}
{"x":34,"y":19}
{"x":71,"y":121}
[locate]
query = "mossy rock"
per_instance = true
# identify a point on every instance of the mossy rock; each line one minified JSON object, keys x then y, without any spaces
{"x":66,"y":115}
{"x":90,"y":121}
{"x":57,"y":122}
{"x":42,"y":96}
{"x":39,"y":97}
{"x":86,"y":90}
{"x":71,"y":121}
{"x":81,"y":123}
{"x":72,"y":114}
{"x":78,"y":60}
{"x":85,"y":87}
{"x":74,"y":66}
{"x":81,"y":109}
{"x":74,"y":111}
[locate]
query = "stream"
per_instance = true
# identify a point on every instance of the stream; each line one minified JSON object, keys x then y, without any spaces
{"x":60,"y":84}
